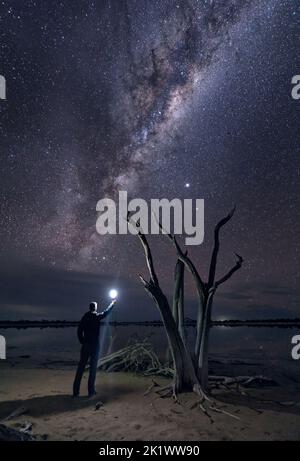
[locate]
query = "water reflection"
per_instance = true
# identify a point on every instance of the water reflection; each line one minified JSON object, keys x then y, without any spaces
{"x":267,"y":347}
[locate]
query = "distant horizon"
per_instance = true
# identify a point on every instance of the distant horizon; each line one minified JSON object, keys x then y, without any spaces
{"x":188,"y":321}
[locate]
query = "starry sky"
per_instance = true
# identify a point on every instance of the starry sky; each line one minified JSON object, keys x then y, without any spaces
{"x":147,"y":96}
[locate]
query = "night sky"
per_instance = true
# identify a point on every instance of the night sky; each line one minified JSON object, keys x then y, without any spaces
{"x":146,"y":96}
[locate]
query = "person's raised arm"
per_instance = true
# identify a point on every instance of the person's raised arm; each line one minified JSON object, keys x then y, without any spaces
{"x":103,"y":314}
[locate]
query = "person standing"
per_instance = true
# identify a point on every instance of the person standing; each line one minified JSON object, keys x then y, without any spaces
{"x":88,"y":333}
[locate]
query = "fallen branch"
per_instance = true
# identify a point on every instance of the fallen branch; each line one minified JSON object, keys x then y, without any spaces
{"x":12,"y":435}
{"x":151,"y":387}
{"x":139,"y":358}
{"x":244,"y":381}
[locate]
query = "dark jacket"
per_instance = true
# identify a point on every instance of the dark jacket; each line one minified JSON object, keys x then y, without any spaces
{"x":89,"y":326}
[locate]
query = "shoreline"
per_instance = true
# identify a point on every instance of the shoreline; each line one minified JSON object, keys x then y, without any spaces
{"x":24,"y":324}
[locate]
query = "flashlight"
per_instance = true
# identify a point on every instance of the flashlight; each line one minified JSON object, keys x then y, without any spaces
{"x":113,"y":294}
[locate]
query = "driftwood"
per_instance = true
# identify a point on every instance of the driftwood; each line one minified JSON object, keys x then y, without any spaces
{"x":8,"y":434}
{"x":26,"y":427}
{"x":99,"y":405}
{"x":151,"y":387}
{"x":138,"y":357}
{"x":244,"y":381}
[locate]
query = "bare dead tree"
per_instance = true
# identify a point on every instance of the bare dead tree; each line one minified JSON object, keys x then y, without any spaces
{"x":191,"y":371}
{"x":185,"y":376}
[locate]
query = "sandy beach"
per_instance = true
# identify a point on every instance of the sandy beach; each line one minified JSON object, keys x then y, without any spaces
{"x":127,"y":414}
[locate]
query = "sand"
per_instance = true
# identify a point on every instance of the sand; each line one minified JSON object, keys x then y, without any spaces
{"x":127,"y":414}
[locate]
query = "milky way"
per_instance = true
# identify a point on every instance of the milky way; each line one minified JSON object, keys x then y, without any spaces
{"x":148,"y":97}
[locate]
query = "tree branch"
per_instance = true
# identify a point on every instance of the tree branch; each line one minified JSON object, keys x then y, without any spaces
{"x":214,"y":256}
{"x":235,"y":268}
{"x":148,"y":254}
{"x":182,"y":255}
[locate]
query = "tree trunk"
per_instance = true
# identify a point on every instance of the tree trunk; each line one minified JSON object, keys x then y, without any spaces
{"x":185,"y":376}
{"x":177,"y":290}
{"x":203,"y":358}
{"x":199,"y":328}
{"x":179,"y":301}
{"x":202,"y":371}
